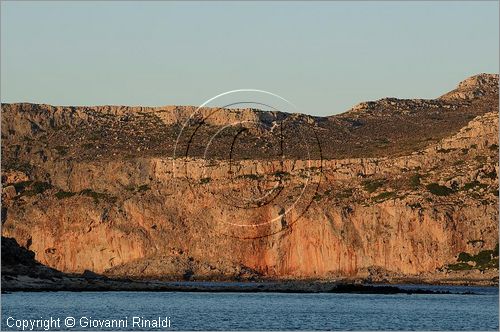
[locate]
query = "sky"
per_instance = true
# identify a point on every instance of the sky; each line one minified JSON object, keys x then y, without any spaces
{"x":324,"y":57}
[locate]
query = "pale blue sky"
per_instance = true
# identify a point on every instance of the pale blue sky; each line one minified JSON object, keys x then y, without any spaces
{"x":324,"y":56}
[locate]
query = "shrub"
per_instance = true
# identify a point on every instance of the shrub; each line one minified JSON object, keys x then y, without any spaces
{"x":483,"y":260}
{"x":464,"y":257}
{"x":20,"y":186}
{"x":481,"y":159}
{"x":40,"y":187}
{"x":61,"y":194}
{"x":372,"y":185}
{"x":281,"y":174}
{"x":34,"y":187}
{"x":491,"y":175}
{"x":143,"y":187}
{"x":474,"y":184}
{"x":459,"y":267}
{"x":415,"y":181}
{"x":491,"y":264}
{"x":251,"y":176}
{"x":97,"y":196}
{"x":129,"y":187}
{"x":205,"y":180}
{"x":29,"y":188}
{"x":483,"y":257}
{"x":439,"y":190}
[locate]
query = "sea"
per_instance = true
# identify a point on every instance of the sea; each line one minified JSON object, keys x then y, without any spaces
{"x":469,"y":308}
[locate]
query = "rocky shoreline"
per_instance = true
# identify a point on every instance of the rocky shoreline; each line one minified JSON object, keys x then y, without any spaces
{"x":89,"y":281}
{"x":82,"y":284}
{"x":21,"y":272}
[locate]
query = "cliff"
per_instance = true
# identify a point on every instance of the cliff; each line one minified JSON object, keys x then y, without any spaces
{"x":391,"y":188}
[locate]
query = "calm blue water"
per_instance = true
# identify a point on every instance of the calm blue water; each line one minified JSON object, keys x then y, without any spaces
{"x":263,"y":311}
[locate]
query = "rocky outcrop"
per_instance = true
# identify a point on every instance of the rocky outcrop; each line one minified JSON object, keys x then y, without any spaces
{"x":473,"y":87}
{"x":84,"y":204}
{"x":17,"y":260}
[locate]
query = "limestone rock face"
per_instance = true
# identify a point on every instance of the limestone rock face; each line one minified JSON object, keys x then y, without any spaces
{"x":153,"y":216}
{"x":473,"y":87}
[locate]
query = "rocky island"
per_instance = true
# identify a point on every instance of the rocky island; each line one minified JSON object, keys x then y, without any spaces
{"x":390,"y":191}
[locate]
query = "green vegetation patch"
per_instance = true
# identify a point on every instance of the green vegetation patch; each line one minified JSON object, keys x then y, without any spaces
{"x":61,"y":194}
{"x":415,"y":181}
{"x":485,"y":259}
{"x":20,"y":186}
{"x":205,"y":180}
{"x":444,"y":150}
{"x":492,"y":264}
{"x":439,"y":190}
{"x":474,"y":185}
{"x":464,"y":257}
{"x":29,"y":188}
{"x":372,"y":185}
{"x":491,"y":175}
{"x":130,"y":187}
{"x":143,"y":187}
{"x":281,"y":174}
{"x":481,"y":159}
{"x":459,"y":267}
{"x":98,"y":196}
